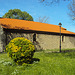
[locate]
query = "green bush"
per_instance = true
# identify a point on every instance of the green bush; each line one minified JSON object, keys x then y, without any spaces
{"x":21,"y":50}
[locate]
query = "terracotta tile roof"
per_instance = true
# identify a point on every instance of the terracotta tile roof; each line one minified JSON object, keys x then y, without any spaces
{"x":30,"y":25}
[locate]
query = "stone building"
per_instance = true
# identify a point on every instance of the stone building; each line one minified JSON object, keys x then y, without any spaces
{"x":44,"y":36}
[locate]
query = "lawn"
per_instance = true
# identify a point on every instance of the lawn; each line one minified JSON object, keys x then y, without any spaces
{"x":44,"y":64}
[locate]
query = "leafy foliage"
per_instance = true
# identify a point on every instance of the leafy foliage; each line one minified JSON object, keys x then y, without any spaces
{"x":21,"y":50}
{"x":18,"y":14}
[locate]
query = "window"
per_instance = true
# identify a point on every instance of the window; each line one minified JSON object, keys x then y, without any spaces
{"x":34,"y":37}
{"x":63,"y":38}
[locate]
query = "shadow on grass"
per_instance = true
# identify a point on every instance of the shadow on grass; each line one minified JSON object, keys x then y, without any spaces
{"x":68,"y":51}
{"x":35,"y":60}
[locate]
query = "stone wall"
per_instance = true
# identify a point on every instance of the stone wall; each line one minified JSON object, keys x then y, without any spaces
{"x":53,"y":41}
{"x":11,"y":36}
{"x":2,"y":39}
{"x":43,"y":41}
{"x":46,"y":41}
{"x":69,"y":42}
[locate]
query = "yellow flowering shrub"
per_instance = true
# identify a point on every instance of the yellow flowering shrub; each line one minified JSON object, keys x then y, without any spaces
{"x":21,"y":50}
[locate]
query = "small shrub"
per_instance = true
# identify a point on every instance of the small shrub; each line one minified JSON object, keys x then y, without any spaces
{"x":21,"y":50}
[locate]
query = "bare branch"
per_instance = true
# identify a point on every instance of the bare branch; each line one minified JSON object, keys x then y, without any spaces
{"x":43,"y":19}
{"x":72,"y":9}
{"x":50,"y":2}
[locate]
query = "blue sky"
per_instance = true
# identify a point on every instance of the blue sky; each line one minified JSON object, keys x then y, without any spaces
{"x":56,"y":13}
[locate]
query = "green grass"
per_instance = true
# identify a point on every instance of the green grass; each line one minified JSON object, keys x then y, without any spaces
{"x":57,"y":50}
{"x":49,"y":64}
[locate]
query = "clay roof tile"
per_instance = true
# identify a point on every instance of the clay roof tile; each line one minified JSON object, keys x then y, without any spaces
{"x":31,"y":25}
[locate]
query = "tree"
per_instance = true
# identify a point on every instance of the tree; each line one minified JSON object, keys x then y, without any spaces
{"x":49,"y":2}
{"x":43,"y":19}
{"x":53,"y":0}
{"x":72,"y":9}
{"x":71,"y":6}
{"x":18,"y":14}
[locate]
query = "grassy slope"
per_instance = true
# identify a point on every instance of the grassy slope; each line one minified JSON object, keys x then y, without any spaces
{"x":49,"y":64}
